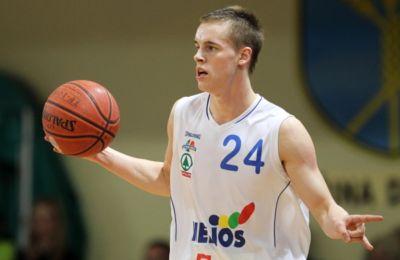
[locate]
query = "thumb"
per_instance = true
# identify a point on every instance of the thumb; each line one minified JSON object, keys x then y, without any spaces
{"x":344,"y":233}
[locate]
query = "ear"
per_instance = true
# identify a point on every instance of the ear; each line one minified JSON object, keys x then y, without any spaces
{"x":245,"y":56}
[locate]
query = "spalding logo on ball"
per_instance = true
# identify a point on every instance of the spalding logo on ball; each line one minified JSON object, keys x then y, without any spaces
{"x":80,"y":118}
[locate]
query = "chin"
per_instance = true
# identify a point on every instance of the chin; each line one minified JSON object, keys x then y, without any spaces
{"x":203,"y":87}
{"x":200,"y":87}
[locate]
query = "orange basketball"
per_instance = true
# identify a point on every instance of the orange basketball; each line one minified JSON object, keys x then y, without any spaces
{"x":80,"y":118}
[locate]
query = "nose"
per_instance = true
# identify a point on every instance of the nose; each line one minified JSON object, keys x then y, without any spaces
{"x":198,"y":57}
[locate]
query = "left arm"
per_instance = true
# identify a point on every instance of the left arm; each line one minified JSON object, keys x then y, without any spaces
{"x":298,"y":157}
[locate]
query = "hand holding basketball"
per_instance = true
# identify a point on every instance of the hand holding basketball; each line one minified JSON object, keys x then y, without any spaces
{"x":80,"y":118}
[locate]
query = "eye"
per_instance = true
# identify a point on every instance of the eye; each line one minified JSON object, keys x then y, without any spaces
{"x":211,"y":48}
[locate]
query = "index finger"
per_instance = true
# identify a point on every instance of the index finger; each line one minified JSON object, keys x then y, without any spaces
{"x":364,"y":218}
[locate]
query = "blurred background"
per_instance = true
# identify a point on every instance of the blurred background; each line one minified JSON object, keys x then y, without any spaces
{"x":335,"y":64}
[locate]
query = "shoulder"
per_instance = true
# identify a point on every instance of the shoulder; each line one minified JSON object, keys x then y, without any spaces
{"x":290,"y":126}
{"x":270,"y":109}
{"x":292,"y":131}
{"x":294,"y":140}
{"x":187,"y":101}
{"x":192,"y":100}
{"x":191,"y":104}
{"x":186,"y":105}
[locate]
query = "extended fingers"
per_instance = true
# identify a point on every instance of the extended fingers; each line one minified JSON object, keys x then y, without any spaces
{"x":352,"y":219}
{"x":364,"y":241}
{"x":358,"y":233}
{"x":367,"y":245}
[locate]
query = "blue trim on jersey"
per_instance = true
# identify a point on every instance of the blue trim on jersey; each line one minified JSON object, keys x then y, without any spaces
{"x":208,"y":102}
{"x":176,"y":226}
{"x":246,"y":115}
{"x":276,"y":209}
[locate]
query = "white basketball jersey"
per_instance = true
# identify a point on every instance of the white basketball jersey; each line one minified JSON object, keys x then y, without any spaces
{"x":230,"y":196}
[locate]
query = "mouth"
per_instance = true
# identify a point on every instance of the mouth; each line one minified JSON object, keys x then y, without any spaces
{"x":201,"y":73}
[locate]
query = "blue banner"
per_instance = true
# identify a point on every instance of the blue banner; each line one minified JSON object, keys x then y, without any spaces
{"x":351,"y":60}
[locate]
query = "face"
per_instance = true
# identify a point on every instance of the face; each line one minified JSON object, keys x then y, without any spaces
{"x":157,"y":253}
{"x":216,"y":58}
{"x":44,"y":223}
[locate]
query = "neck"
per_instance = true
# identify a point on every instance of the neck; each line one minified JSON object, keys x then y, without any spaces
{"x":231,"y":102}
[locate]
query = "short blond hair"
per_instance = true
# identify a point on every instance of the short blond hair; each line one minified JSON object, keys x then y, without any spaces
{"x":245,"y":29}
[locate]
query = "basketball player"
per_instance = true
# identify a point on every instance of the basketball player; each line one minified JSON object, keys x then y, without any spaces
{"x":241,"y":172}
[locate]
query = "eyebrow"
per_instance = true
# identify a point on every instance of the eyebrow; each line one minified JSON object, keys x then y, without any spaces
{"x":207,"y":42}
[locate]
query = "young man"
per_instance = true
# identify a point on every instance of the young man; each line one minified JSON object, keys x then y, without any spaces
{"x":241,"y":172}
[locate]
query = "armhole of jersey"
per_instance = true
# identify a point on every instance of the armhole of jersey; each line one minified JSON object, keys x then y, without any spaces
{"x":279,"y":168}
{"x":177,"y":114}
{"x":276,"y":158}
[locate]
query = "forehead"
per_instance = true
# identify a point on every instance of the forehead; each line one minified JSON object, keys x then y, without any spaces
{"x":215,"y":31}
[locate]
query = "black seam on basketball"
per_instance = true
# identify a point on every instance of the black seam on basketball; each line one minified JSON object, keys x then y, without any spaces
{"x":98,"y":138}
{"x":101,"y":135}
{"x":91,"y":146}
{"x":109,"y":121}
{"x":109,"y":111}
{"x":80,"y":116}
{"x":105,"y":127}
{"x":72,"y":136}
{"x":103,"y":132}
{"x":94,"y":102}
{"x":91,"y":98}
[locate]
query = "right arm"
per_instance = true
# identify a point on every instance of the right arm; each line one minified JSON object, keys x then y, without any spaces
{"x":297,"y":153}
{"x":150,"y":176}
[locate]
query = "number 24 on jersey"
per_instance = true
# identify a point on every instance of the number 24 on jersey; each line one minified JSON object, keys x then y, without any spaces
{"x":249,"y":160}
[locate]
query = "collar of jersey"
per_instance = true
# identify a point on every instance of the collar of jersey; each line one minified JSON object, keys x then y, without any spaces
{"x":236,"y":120}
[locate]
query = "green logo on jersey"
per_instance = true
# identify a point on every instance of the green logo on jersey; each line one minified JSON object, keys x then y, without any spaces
{"x":186,"y":161}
